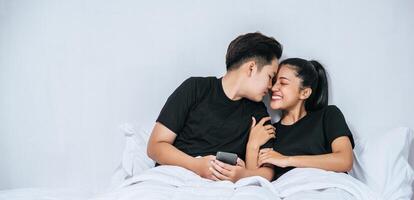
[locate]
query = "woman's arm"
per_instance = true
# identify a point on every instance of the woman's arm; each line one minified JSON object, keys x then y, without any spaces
{"x":258,"y":136}
{"x":340,"y":160}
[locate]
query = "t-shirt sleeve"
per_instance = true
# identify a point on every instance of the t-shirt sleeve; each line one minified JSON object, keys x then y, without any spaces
{"x":335,"y":125}
{"x":259,"y":114}
{"x":174,"y":113}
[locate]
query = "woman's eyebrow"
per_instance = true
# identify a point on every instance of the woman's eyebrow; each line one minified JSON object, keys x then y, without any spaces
{"x":282,"y":77}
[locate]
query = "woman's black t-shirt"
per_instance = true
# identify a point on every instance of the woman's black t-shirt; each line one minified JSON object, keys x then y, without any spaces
{"x":311,"y":135}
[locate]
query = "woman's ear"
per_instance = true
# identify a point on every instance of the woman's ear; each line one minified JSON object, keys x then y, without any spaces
{"x":305,"y":93}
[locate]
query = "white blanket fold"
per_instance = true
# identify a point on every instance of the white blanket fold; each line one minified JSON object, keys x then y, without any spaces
{"x":181,"y":183}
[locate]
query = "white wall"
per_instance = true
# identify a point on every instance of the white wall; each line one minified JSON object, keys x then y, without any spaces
{"x":72,"y":71}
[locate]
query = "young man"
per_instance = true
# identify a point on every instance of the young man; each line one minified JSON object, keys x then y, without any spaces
{"x":206,"y":115}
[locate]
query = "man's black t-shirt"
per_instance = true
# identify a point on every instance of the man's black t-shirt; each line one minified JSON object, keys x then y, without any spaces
{"x":311,"y":135}
{"x":206,"y":120}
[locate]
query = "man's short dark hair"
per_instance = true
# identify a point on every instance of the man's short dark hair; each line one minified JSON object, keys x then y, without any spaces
{"x":255,"y":46}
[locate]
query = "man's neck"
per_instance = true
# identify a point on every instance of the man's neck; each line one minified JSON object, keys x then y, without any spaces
{"x":231,"y":85}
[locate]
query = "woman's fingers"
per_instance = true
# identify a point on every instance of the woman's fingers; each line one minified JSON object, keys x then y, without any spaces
{"x":269,"y":127}
{"x":263,"y":120}
{"x":263,"y":156}
{"x":270,"y":131}
{"x":253,"y":122}
{"x":263,"y":161}
{"x":262,"y":151}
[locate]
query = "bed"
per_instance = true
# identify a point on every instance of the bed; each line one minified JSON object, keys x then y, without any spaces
{"x":378,"y":173}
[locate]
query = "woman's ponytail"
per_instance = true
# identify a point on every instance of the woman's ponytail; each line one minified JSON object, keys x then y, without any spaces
{"x":319,"y":96}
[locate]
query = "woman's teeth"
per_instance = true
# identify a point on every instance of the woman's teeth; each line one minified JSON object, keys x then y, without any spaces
{"x":276,"y":97}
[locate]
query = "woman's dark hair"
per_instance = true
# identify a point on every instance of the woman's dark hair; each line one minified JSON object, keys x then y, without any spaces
{"x":313,"y":75}
{"x":252,"y":46}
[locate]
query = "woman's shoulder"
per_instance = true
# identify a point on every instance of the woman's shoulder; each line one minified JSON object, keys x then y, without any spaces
{"x":332,"y":108}
{"x":327,"y":111}
{"x":332,"y":112}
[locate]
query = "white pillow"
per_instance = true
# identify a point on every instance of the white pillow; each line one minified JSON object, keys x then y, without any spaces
{"x":382,"y":164}
{"x":134,"y":158}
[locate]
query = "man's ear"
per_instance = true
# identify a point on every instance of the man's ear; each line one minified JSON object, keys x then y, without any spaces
{"x":305,"y":93}
{"x":252,"y":67}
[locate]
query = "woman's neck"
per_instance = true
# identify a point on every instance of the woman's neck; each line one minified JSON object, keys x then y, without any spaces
{"x":294,"y":114}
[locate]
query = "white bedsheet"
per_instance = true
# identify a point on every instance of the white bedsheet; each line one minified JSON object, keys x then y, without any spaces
{"x":45,"y":194}
{"x":172,"y":182}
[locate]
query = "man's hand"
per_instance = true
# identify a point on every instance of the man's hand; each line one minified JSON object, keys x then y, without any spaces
{"x":202,"y":165}
{"x":222,"y":171}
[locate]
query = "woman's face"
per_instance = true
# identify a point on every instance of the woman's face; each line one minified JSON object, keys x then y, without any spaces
{"x":286,"y":91}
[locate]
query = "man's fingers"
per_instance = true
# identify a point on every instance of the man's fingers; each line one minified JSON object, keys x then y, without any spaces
{"x":214,"y":178}
{"x":217,"y":174}
{"x":211,"y":157}
{"x":223,"y":165}
{"x":220,"y":169}
{"x":240,"y":162}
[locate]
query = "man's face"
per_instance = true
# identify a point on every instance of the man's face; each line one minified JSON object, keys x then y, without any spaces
{"x":260,"y":81}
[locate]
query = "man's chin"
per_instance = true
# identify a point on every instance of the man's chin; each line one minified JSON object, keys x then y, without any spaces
{"x":259,"y":99}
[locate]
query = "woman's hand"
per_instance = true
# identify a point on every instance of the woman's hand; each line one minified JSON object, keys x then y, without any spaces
{"x":268,"y":156}
{"x":259,"y":133}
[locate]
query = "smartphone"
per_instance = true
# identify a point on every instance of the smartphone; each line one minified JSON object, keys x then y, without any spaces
{"x":229,"y":158}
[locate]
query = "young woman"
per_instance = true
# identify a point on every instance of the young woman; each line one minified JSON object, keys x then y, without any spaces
{"x":310,"y":133}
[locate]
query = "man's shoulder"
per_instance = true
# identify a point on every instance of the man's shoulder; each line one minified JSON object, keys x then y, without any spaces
{"x":255,"y":104}
{"x":201,"y":84}
{"x":201,"y":80}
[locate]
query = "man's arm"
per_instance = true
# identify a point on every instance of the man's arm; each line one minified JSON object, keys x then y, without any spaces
{"x":223,"y":171}
{"x":161,"y":150}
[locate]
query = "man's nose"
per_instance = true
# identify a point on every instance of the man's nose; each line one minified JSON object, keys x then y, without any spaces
{"x":269,"y":85}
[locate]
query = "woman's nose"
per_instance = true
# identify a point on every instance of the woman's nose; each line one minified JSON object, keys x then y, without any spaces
{"x":275,"y":88}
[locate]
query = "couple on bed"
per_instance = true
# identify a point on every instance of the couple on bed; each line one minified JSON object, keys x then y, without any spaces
{"x":205,"y":115}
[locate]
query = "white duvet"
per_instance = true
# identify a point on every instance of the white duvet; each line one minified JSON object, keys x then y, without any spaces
{"x":172,"y":182}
